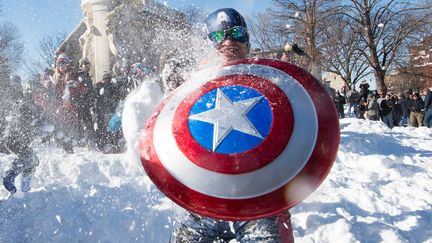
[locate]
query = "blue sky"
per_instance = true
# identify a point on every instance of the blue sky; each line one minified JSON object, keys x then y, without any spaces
{"x":245,"y":7}
{"x":38,"y":18}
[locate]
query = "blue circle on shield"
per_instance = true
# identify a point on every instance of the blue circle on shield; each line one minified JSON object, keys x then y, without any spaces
{"x":230,"y":119}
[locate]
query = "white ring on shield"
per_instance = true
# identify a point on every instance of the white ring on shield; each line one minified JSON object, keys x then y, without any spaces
{"x":251,"y":184}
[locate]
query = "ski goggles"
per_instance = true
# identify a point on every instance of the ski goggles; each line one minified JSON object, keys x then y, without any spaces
{"x":237,"y":33}
{"x":62,"y":64}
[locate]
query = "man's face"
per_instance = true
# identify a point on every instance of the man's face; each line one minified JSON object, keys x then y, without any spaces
{"x":233,"y":50}
{"x":86,"y":66}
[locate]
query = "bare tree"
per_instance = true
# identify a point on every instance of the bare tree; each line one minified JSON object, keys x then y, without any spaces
{"x":304,"y":22}
{"x":344,"y":53}
{"x":408,"y":78}
{"x":265,"y":32}
{"x":385,"y":27}
{"x":11,"y":49}
{"x":48,"y":46}
{"x":194,"y":15}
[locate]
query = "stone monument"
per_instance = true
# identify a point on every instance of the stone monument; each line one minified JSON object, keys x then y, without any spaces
{"x":115,"y":33}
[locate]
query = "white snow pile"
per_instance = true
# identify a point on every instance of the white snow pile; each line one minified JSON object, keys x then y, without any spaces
{"x":379,"y":190}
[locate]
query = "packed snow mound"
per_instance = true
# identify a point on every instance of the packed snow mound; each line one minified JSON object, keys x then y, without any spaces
{"x":377,"y":191}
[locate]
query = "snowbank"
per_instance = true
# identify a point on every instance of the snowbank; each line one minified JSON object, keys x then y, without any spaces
{"x":378,"y":190}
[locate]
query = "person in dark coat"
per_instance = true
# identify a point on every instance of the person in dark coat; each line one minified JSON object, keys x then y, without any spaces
{"x":137,"y":75}
{"x":339,"y":101}
{"x":427,"y":108}
{"x":85,"y":101}
{"x":416,"y":106}
{"x":20,"y":129}
{"x":386,"y":110}
{"x":397,"y":110}
{"x":364,"y":89}
{"x":362,"y":107}
{"x":106,"y":101}
{"x":403,"y":101}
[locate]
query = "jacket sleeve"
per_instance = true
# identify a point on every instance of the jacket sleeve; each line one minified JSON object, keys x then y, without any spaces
{"x":428,"y":101}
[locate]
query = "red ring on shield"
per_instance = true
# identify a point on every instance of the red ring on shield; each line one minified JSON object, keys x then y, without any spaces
{"x":311,"y":175}
{"x":246,"y":161}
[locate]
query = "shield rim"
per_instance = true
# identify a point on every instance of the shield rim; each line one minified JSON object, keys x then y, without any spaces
{"x":315,"y":169}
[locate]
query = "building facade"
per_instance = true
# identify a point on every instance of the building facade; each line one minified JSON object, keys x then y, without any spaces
{"x":418,"y":74}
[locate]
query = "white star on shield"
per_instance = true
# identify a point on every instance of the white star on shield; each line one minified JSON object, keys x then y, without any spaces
{"x":228,"y":116}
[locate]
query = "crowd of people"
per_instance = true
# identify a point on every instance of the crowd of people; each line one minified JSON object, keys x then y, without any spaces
{"x":82,"y":110}
{"x":65,"y":106}
{"x":409,"y":108}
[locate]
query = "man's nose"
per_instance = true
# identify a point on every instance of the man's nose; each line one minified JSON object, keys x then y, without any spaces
{"x":227,"y":42}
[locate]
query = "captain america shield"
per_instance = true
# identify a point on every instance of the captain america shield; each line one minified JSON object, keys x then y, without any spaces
{"x":246,"y":142}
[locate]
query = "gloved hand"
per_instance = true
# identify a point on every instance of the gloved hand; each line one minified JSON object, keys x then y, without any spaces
{"x":72,"y":83}
{"x":114,"y":124}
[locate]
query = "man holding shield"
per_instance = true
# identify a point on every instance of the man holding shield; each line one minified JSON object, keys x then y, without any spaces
{"x":227,"y":29}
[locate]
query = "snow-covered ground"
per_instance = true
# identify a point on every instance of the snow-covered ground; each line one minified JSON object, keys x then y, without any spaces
{"x":379,"y":190}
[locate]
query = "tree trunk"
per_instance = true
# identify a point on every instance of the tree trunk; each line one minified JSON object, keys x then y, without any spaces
{"x":379,"y":80}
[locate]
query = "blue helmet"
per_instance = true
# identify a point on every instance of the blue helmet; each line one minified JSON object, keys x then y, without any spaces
{"x":224,"y":19}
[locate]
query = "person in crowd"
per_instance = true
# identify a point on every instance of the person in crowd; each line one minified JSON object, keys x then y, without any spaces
{"x":173,"y":73}
{"x":386,"y":108}
{"x":427,"y":108}
{"x":416,"y":106}
{"x":364,"y":89}
{"x":106,"y":101}
{"x":195,"y":228}
{"x":85,"y":100}
{"x":343,"y":91}
{"x":372,"y":108}
{"x":23,"y":120}
{"x":397,"y":110}
{"x":353,"y":97}
{"x":38,"y":90}
{"x":339,"y":101}
{"x":123,"y":78}
{"x":10,"y":92}
{"x":422,"y":94}
{"x":362,"y":108}
{"x":403,"y":101}
{"x":137,"y":75}
{"x":62,"y":102}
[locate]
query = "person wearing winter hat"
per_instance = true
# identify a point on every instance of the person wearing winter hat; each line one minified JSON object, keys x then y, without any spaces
{"x":227,"y":30}
{"x":63,"y":92}
{"x":85,"y":101}
{"x":24,"y":119}
{"x":427,"y":108}
{"x":416,"y":106}
{"x":106,"y":101}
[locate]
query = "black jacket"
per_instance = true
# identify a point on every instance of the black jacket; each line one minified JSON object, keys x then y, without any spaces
{"x":386,"y":106}
{"x":86,"y":96}
{"x":428,"y":101}
{"x":106,"y":100}
{"x":404,"y":105}
{"x":416,"y":105}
